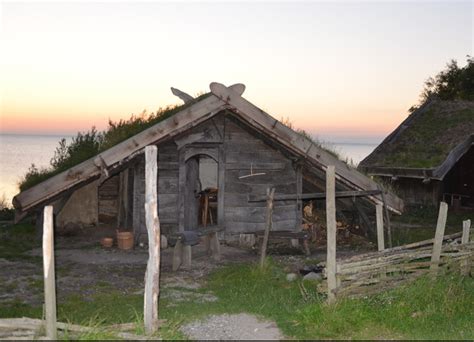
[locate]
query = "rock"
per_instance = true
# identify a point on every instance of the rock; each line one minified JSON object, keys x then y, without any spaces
{"x":291,"y":276}
{"x":313,"y":276}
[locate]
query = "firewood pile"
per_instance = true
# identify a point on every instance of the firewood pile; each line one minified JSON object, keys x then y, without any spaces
{"x":314,"y":222}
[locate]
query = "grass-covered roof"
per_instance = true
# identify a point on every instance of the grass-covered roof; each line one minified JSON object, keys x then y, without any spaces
{"x":88,"y":144}
{"x":426,"y":137}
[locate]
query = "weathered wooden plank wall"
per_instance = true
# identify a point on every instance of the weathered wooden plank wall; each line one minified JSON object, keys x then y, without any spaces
{"x":236,"y":147}
{"x":139,"y":226}
{"x":243,"y":147}
{"x":108,"y":200}
{"x":168,"y":175}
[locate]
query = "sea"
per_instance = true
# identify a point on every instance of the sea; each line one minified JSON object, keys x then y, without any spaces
{"x":18,"y":152}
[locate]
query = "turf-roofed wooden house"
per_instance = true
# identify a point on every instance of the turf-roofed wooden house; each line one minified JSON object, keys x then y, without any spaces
{"x":430,"y":156}
{"x":219,"y":145}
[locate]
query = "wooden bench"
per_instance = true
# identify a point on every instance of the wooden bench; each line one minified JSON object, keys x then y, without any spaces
{"x":296,"y":237}
{"x":182,"y":253}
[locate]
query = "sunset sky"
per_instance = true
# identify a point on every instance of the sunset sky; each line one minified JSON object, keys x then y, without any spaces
{"x":342,"y":69}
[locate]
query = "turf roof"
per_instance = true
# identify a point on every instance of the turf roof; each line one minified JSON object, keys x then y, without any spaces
{"x":426,"y":137}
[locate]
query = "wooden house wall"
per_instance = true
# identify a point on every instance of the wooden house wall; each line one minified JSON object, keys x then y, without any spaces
{"x":414,"y":192}
{"x":243,"y":148}
{"x":108,"y":200}
{"x":168,"y":174}
{"x":236,"y":147}
{"x":138,"y":222}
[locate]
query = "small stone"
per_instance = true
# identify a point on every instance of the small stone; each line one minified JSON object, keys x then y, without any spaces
{"x":291,"y":276}
{"x":313,"y":276}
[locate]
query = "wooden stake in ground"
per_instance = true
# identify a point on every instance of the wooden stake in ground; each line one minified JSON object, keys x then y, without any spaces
{"x":438,"y":240}
{"x":331,"y":232}
{"x":380,"y":236}
{"x":268,"y":225}
{"x":49,"y":277}
{"x":152,"y":275}
{"x":466,"y":228}
{"x":387,"y":218}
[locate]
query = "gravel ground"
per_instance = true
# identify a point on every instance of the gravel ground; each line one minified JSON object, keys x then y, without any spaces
{"x":232,"y":327}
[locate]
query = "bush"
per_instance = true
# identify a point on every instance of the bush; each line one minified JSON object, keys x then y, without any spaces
{"x":452,"y":83}
{"x":6,"y":211}
{"x":86,"y":145}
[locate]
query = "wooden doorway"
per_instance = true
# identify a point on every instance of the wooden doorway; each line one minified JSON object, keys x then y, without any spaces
{"x":200,"y":192}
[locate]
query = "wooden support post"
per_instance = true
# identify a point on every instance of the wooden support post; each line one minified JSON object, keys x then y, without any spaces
{"x":152,"y":275}
{"x":268,"y":225}
{"x":215,"y":246}
{"x":438,"y":240}
{"x":187,"y":256}
{"x":466,"y":229}
{"x":380,"y":236}
{"x":331,"y":232}
{"x":177,"y":255}
{"x":387,"y":218}
{"x":49,"y":277}
{"x":207,"y":244}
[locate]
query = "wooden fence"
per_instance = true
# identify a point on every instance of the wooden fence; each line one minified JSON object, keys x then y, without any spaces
{"x":378,"y":271}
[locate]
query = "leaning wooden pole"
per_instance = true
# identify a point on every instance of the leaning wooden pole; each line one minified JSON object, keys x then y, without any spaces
{"x":49,"y":277}
{"x":268,"y":225}
{"x":152,"y":275}
{"x":331,"y":232}
{"x":439,"y":234}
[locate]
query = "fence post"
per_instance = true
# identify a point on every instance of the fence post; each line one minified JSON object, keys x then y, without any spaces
{"x":331,"y":232}
{"x":49,"y":276}
{"x":380,"y":235}
{"x":465,"y":264}
{"x":268,"y":225}
{"x":438,"y":240}
{"x":152,"y":275}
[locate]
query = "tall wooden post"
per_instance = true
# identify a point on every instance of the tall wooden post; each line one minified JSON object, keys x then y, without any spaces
{"x":331,"y":232}
{"x":152,"y":275}
{"x":466,"y":229}
{"x":380,"y":235}
{"x":49,"y":277}
{"x":387,"y":218}
{"x":438,"y":240}
{"x":268,"y":225}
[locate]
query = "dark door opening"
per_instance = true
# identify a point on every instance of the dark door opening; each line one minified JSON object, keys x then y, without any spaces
{"x":200,"y":196}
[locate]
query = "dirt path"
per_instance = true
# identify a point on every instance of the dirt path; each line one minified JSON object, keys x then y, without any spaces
{"x":232,"y":327}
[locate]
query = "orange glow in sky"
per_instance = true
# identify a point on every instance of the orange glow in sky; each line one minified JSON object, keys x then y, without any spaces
{"x":332,"y":69}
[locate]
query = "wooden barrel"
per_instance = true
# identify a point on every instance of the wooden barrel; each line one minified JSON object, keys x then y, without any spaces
{"x":124,"y":240}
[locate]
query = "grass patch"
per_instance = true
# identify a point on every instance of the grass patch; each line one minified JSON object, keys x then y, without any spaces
{"x":16,"y":240}
{"x":419,"y":223}
{"x":426,"y":309}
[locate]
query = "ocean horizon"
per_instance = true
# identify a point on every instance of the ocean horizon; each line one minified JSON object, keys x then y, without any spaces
{"x":19,"y":151}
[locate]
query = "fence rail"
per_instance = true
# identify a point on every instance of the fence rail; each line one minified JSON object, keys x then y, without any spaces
{"x":378,"y":271}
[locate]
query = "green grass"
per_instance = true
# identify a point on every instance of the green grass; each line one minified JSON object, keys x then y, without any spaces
{"x":16,"y":240}
{"x":421,"y":223}
{"x":428,"y":309}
